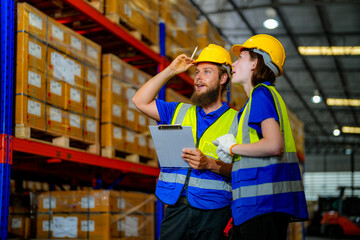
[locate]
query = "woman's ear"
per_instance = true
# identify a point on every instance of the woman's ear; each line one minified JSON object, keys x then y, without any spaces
{"x":254,"y":63}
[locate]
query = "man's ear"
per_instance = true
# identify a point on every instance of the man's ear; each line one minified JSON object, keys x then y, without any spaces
{"x":223,"y":78}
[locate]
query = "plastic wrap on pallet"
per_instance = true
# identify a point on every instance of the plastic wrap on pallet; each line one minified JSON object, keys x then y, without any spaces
{"x":95,"y":214}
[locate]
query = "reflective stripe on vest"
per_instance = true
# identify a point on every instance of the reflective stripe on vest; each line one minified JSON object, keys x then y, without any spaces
{"x":263,"y":177}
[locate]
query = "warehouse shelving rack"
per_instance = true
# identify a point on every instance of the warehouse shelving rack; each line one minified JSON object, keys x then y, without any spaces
{"x":37,"y":159}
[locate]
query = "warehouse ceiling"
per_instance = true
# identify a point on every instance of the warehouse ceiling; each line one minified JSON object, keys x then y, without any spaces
{"x":303,"y":23}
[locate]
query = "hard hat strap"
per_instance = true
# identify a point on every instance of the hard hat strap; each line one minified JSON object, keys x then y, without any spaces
{"x":267,"y":60}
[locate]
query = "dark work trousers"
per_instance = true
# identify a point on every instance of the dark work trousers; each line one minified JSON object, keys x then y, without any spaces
{"x":183,"y":222}
{"x":271,"y":226}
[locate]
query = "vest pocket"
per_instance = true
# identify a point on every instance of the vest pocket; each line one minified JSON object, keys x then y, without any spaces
{"x":245,"y":188}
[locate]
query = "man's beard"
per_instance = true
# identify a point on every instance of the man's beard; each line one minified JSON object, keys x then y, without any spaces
{"x":207,"y":98}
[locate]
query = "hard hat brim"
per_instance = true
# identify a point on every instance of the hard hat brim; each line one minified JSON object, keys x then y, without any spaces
{"x":237,"y":49}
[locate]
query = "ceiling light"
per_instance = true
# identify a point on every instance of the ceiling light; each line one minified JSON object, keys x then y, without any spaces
{"x":316,"y":98}
{"x":271,"y":23}
{"x":353,"y":130}
{"x":343,"y":102}
{"x":329,"y":51}
{"x":336,"y":132}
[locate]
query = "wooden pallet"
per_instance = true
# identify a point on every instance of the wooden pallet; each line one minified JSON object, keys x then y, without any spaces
{"x":39,"y":135}
{"x":115,"y":18}
{"x":112,"y":152}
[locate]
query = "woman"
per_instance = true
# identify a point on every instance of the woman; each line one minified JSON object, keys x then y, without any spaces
{"x":266,"y":180}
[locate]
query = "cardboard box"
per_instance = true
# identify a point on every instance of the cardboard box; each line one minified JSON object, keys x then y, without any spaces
{"x":92,"y":53}
{"x":30,"y":82}
{"x":75,"y":44}
{"x":112,"y":136}
{"x":29,"y":112}
{"x":57,"y":35}
{"x":31,"y":20}
{"x":131,"y":141}
{"x":112,"y":66}
{"x":55,"y":92}
{"x":92,"y":79}
{"x":74,"y":125}
{"x":143,"y":147}
{"x":55,"y":120}
{"x":131,"y":118}
{"x":91,"y":104}
{"x":74,"y":98}
{"x":143,"y":123}
{"x":91,"y":130}
{"x":30,"y":52}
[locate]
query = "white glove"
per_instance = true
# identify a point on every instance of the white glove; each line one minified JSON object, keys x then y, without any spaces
{"x":223,"y":156}
{"x":225,"y":142}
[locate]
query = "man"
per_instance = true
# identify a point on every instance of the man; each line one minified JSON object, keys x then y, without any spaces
{"x":198,"y":198}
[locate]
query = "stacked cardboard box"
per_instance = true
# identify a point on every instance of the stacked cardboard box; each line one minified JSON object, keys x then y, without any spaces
{"x":207,"y":34}
{"x":95,"y":214}
{"x":137,"y":15}
{"x":57,"y":79}
{"x":19,"y":216}
{"x":180,"y":20}
{"x":123,"y":127}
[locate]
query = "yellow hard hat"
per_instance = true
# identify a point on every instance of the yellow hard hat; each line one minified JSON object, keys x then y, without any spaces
{"x":214,"y":54}
{"x":265,"y":44}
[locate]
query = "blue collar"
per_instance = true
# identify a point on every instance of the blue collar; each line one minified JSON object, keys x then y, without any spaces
{"x":216,"y":113}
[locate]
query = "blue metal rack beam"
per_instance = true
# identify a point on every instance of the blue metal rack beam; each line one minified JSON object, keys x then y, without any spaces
{"x":6,"y":109}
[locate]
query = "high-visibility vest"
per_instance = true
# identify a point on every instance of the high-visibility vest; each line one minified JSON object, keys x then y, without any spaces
{"x":204,"y":189}
{"x":267,"y":184}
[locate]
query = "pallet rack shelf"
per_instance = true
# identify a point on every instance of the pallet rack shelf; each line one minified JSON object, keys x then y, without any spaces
{"x":41,"y":159}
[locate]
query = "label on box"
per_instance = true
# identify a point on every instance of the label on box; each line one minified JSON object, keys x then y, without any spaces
{"x":181,"y":21}
{"x":55,"y":115}
{"x":49,"y":203}
{"x":131,"y":226}
{"x":88,"y":202}
{"x":121,"y":202}
{"x":116,"y":87}
{"x":34,"y":108}
{"x":16,"y":222}
{"x":57,"y":61}
{"x":91,"y":101}
{"x":116,"y":110}
{"x":141,"y":79}
{"x":116,"y":66}
{"x":47,"y":225}
{"x":130,"y":137}
{"x":127,"y":10}
{"x":117,"y":133}
{"x":91,"y":76}
{"x":65,"y":227}
{"x":120,"y":226}
{"x":142,"y":141}
{"x":130,"y":115}
{"x":75,"y":121}
{"x":57,"y":33}
{"x":55,"y":87}
{"x":77,"y":68}
{"x":76,"y":43}
{"x":75,"y":94}
{"x":35,"y":20}
{"x":34,"y":49}
{"x":92,"y":52}
{"x":142,"y":120}
{"x":91,"y":126}
{"x":129,"y":73}
{"x":130,"y":93}
{"x":34,"y":79}
{"x":88,"y":226}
